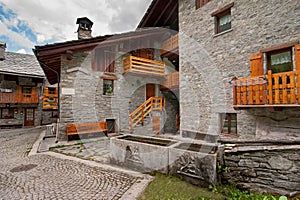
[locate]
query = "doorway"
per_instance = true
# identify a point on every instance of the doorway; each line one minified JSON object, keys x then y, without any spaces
{"x":29,"y":117}
{"x":150,"y":91}
{"x":111,"y":125}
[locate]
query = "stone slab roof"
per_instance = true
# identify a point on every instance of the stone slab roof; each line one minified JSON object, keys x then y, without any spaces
{"x":21,"y":64}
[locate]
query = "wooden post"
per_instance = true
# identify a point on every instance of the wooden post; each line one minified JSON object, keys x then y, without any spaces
{"x":298,"y":85}
{"x":244,"y":92}
{"x":143,"y":112}
{"x":19,"y":94}
{"x":292,"y":89}
{"x":250,"y":91}
{"x":284,"y":89}
{"x":270,"y":88}
{"x":276,"y":87}
{"x":234,"y":92}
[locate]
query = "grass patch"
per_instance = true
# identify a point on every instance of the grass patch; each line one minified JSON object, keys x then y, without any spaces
{"x":56,"y":147}
{"x":171,"y":188}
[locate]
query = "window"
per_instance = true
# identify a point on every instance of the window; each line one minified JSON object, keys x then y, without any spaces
{"x":51,"y":90}
{"x":280,"y":60}
{"x":222,"y":19}
{"x":7,"y":113}
{"x":108,"y":86}
{"x":201,"y":3}
{"x":26,"y":90}
{"x":230,"y":124}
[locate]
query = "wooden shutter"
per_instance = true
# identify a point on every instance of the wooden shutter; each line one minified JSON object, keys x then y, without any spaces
{"x":297,"y":56}
{"x":256,"y":65}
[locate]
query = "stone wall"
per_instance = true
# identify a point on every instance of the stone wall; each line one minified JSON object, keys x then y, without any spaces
{"x":86,"y":102}
{"x":209,"y":61}
{"x":264,"y":168}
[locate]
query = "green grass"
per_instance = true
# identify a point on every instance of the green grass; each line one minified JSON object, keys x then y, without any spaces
{"x":171,"y":188}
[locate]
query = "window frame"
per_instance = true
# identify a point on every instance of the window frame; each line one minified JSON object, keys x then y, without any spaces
{"x":104,"y":89}
{"x":278,"y":51}
{"x":12,"y":113}
{"x":218,"y":14}
{"x":229,"y":121}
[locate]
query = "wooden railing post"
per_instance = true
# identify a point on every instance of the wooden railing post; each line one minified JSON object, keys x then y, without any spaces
{"x":298,"y":85}
{"x":234,"y":91}
{"x":269,"y":87}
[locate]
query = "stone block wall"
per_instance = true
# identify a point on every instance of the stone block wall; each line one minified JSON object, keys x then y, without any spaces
{"x":209,"y":61}
{"x":274,"y":170}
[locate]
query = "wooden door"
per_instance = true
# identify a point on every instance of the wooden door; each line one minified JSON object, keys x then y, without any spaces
{"x":29,"y":117}
{"x":150,"y":91}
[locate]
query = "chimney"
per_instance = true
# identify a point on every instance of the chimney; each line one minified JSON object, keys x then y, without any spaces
{"x":84,"y":28}
{"x":2,"y":50}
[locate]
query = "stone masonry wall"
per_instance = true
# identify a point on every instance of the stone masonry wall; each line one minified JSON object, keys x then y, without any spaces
{"x":209,"y":61}
{"x":271,"y":171}
{"x":88,"y":104}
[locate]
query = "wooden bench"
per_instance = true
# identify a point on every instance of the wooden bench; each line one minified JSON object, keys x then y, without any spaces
{"x":85,"y":128}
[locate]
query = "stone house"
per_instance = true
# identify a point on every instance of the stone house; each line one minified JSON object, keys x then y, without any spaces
{"x":118,"y":79}
{"x":239,"y":81}
{"x":21,"y":85}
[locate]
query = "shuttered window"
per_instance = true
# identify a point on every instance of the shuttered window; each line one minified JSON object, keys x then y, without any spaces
{"x":230,"y":124}
{"x":280,"y":60}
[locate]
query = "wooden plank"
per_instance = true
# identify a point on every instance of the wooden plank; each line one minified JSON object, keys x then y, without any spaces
{"x":250,"y":91}
{"x":276,"y":88}
{"x":284,"y":89}
{"x":256,"y":65}
{"x":270,"y":87}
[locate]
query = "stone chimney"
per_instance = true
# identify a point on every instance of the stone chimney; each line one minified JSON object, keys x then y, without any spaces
{"x":84,"y":28}
{"x":2,"y":50}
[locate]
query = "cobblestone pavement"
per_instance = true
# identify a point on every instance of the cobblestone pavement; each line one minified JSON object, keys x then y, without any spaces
{"x":42,"y":176}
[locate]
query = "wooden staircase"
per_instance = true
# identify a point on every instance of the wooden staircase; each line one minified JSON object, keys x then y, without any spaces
{"x":139,"y":115}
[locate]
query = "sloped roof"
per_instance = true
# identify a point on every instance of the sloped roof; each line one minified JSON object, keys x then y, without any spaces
{"x":21,"y":64}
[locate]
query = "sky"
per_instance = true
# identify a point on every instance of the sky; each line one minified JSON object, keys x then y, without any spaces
{"x":26,"y":23}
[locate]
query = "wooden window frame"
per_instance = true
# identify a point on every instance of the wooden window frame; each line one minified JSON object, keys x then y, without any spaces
{"x":229,"y":124}
{"x":218,"y":14}
{"x":277,"y":51}
{"x":200,"y":3}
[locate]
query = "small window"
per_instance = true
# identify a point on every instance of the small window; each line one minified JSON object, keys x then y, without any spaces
{"x":7,"y":113}
{"x":201,"y":3}
{"x":108,"y":86}
{"x":280,"y":60}
{"x":230,"y":124}
{"x":52,"y":90}
{"x":26,"y":90}
{"x":223,"y":19}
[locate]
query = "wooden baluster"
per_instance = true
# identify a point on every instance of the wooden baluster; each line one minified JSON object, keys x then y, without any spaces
{"x":19,"y":94}
{"x":270,"y":87}
{"x":244,"y":92}
{"x":238,"y":92}
{"x":234,"y":92}
{"x":276,"y":87}
{"x":263,"y":92}
{"x":284,"y":89}
{"x":250,"y":91}
{"x":292,"y":89}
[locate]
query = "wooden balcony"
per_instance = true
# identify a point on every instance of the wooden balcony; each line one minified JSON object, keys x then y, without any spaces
{"x":273,"y":90}
{"x":20,"y":97}
{"x":50,"y":99}
{"x":171,"y":82}
{"x":143,"y":66}
{"x":170,"y":45}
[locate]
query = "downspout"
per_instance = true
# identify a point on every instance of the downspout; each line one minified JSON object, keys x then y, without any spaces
{"x":58,"y":106}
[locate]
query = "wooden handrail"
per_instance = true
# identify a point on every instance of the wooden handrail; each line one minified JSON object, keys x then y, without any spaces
{"x":273,"y":89}
{"x":143,"y":65}
{"x":139,"y":114}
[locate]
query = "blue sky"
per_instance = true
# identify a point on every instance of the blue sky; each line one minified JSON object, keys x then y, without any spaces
{"x":24,"y":24}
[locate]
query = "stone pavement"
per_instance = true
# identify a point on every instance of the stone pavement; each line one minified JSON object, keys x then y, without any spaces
{"x":54,"y":176}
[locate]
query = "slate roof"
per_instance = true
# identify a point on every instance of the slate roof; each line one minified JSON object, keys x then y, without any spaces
{"x":21,"y":64}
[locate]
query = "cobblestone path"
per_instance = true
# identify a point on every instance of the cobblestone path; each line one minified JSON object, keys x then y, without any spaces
{"x":46,"y":177}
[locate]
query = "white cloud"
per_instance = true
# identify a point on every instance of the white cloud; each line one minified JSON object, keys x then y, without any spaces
{"x":23,"y":51}
{"x":55,"y":20}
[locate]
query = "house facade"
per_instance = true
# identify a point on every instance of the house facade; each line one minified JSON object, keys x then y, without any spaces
{"x":239,"y":68}
{"x":117,"y":79}
{"x":21,"y":85}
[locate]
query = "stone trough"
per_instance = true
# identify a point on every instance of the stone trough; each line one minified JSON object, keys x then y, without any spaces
{"x":145,"y":154}
{"x":196,"y":163}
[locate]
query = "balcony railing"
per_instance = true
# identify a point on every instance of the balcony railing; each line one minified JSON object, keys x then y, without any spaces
{"x":171,"y":82}
{"x":144,"y":66}
{"x":170,"y":44}
{"x":280,"y":89}
{"x":19,"y":97}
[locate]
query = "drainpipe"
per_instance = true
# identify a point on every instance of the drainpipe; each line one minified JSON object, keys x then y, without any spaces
{"x":58,"y":106}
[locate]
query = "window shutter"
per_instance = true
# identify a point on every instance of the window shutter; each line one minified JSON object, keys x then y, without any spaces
{"x":256,"y":65}
{"x":297,"y":56}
